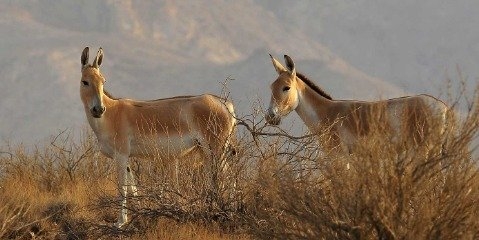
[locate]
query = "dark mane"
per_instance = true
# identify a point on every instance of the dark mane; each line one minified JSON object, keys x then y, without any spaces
{"x":109,"y":95}
{"x":313,"y":86}
{"x":168,"y":98}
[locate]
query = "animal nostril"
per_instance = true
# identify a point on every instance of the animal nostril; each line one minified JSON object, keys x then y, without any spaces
{"x":270,"y":115}
{"x":272,"y":118}
{"x":98,"y":109}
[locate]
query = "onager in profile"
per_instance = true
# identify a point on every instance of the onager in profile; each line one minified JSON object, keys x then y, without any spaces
{"x":408,"y":119}
{"x":169,"y":128}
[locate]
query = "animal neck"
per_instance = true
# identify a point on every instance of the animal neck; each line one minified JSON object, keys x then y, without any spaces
{"x":108,"y":99}
{"x":312,"y":107}
{"x":107,"y":96}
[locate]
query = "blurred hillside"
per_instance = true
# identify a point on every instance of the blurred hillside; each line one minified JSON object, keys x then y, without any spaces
{"x":160,"y":48}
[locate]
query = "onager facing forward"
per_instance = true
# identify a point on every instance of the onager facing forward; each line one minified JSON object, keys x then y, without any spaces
{"x":408,"y":119}
{"x":167,"y":128}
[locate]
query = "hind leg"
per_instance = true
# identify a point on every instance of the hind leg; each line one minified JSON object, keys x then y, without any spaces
{"x":131,"y":182}
{"x":185,"y":153}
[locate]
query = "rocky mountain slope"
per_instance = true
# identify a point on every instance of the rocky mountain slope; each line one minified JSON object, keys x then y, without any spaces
{"x":163,"y":48}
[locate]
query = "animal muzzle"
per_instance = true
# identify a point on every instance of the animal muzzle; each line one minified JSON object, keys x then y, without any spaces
{"x":97,"y":111}
{"x":272,"y":118}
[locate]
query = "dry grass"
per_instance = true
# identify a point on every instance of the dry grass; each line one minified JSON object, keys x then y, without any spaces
{"x":277,"y":186}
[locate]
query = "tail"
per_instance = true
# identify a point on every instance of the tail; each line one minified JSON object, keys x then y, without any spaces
{"x":230,"y":145}
{"x":448,"y":130}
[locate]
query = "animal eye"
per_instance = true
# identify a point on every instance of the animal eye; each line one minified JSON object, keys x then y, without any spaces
{"x":286,"y":88}
{"x":84,"y":83}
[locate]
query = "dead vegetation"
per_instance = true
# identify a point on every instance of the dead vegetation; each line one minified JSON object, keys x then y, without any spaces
{"x":276,"y":186}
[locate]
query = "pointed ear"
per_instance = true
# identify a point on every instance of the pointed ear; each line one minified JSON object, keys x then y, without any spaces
{"x":279,"y":68}
{"x":99,"y":58}
{"x":290,"y":65}
{"x":84,"y":57}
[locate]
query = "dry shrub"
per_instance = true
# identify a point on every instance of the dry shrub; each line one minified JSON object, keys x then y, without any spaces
{"x":45,"y":190}
{"x":170,"y":229}
{"x":199,"y":197}
{"x":382,"y":190}
{"x":276,"y":186}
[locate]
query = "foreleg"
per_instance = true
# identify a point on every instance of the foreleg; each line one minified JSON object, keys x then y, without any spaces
{"x":123,"y":182}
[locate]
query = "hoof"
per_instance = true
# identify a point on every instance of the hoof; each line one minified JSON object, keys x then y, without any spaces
{"x":121,"y":223}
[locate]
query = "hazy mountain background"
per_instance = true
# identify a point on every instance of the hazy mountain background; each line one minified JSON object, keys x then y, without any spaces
{"x":362,"y":49}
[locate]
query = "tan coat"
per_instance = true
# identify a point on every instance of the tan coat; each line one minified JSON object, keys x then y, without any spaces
{"x":409,"y":118}
{"x":167,"y":128}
